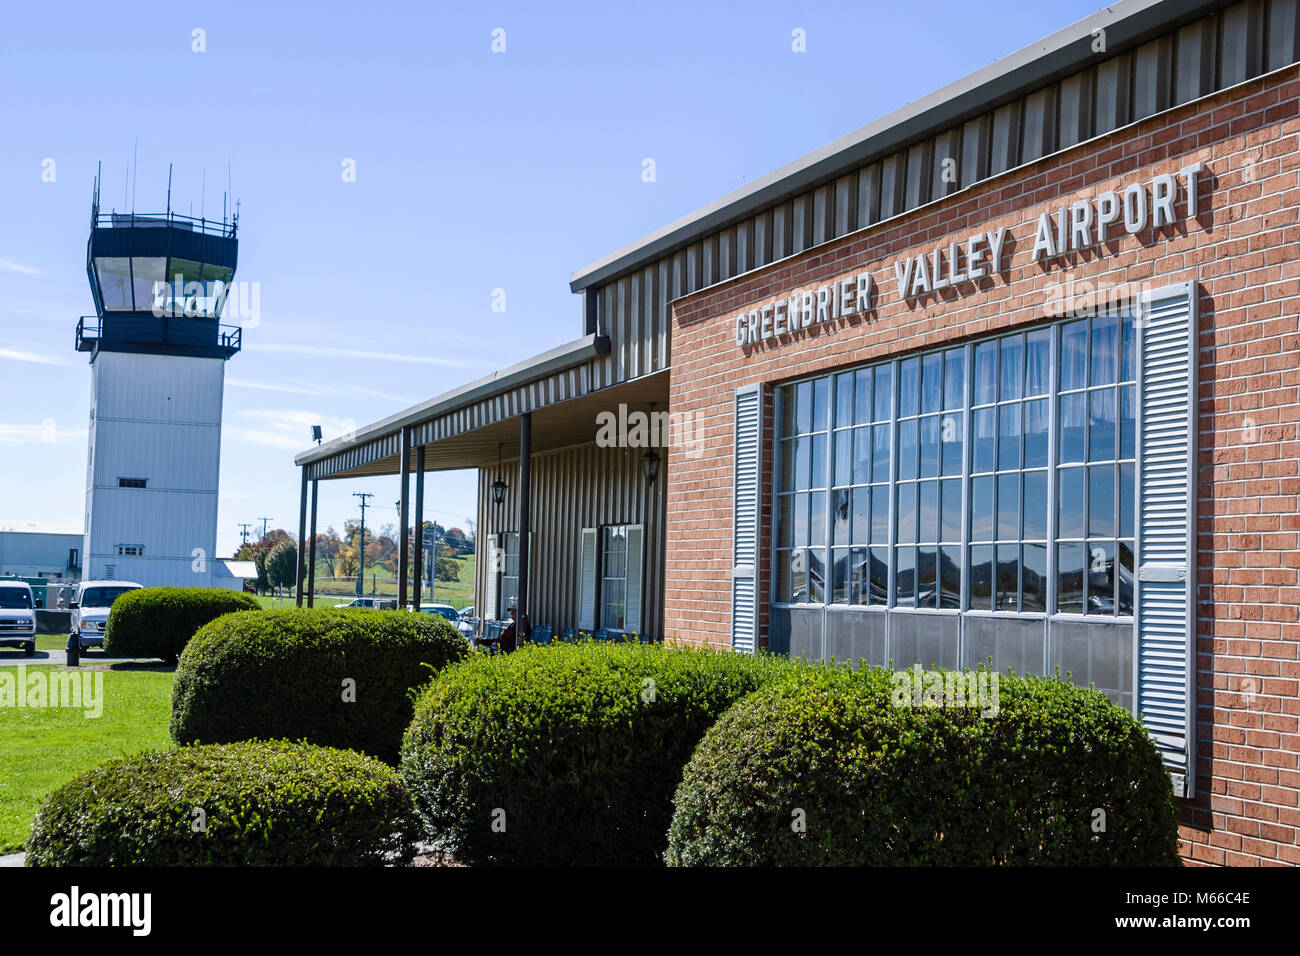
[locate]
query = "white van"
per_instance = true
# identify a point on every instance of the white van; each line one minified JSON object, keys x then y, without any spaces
{"x":91,"y":606}
{"x":17,"y":616}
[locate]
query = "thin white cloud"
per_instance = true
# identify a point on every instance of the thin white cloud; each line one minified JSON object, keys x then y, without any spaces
{"x":297,"y":387}
{"x":45,"y":433}
{"x":272,"y":387}
{"x":326,"y":351}
{"x":294,"y":418}
{"x":401,"y":400}
{"x":272,"y":439}
{"x":16,"y":355}
{"x":288,"y":428}
{"x":8,"y":265}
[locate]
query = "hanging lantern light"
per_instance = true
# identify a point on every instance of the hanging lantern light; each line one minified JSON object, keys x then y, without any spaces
{"x":499,"y":486}
{"x":650,"y":460}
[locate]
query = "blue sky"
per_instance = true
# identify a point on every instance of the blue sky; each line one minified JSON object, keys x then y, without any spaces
{"x":475,"y":171}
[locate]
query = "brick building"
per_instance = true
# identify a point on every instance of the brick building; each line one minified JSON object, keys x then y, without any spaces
{"x":1010,"y":374}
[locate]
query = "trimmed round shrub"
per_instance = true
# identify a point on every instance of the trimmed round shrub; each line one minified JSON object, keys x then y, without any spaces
{"x":341,"y":678}
{"x":566,"y":754}
{"x":159,"y":622}
{"x":245,"y":804}
{"x":845,"y":769}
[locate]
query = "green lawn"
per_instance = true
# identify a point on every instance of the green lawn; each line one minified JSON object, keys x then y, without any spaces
{"x":41,"y":748}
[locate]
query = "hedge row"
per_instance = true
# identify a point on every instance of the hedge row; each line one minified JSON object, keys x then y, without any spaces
{"x":159,"y":622}
{"x":599,"y":753}
{"x":566,"y":754}
{"x":341,"y":678}
{"x":246,"y":804}
{"x":839,"y":769}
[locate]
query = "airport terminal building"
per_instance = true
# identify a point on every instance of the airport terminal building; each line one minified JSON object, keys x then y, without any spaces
{"x":1012,"y":373}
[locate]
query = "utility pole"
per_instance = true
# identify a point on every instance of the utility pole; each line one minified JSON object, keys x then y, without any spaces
{"x":265,"y":521}
{"x":243,"y":533}
{"x":361,"y":571}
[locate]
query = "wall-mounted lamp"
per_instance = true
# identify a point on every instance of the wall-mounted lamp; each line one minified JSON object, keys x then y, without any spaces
{"x":499,"y":486}
{"x":650,"y":460}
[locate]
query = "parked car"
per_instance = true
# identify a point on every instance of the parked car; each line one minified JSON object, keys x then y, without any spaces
{"x":18,"y":616}
{"x":445,"y":611}
{"x":464,"y":622}
{"x":90,"y":609}
{"x":374,"y":603}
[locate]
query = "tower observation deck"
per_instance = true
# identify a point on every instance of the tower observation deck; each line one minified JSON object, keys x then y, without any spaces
{"x":159,"y":283}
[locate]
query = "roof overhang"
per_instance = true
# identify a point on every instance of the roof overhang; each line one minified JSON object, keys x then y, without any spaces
{"x":1126,"y":24}
{"x":557,"y":359}
{"x":559,"y":425}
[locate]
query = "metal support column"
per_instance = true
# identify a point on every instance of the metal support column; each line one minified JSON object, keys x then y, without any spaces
{"x":311,"y":549}
{"x":417,"y":577}
{"x":404,"y":538}
{"x":301,"y":559}
{"x":525,"y":505}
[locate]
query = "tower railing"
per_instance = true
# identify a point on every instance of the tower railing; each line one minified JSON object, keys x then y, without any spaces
{"x":229,"y":339}
{"x":152,"y":220}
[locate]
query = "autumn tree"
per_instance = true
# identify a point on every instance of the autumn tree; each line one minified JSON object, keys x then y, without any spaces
{"x":347,"y":560}
{"x":327,"y":548}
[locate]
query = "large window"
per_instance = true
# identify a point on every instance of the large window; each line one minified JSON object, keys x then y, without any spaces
{"x":1095,"y":471}
{"x":996,"y":476}
{"x":613,"y":577}
{"x":509,"y":572}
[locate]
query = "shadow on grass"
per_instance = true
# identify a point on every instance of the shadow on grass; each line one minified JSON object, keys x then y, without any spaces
{"x":142,"y":666}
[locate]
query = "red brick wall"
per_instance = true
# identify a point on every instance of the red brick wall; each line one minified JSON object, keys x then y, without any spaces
{"x":1242,"y":250}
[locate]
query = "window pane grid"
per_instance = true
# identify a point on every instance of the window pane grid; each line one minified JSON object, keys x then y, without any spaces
{"x":1006,"y":474}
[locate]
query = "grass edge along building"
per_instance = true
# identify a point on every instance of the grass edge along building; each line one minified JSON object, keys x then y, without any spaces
{"x":1012,"y":373}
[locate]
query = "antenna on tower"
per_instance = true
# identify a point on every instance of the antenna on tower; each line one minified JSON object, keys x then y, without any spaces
{"x":135,"y":169}
{"x":94,"y":202}
{"x":203,"y":197}
{"x":169,"y":190}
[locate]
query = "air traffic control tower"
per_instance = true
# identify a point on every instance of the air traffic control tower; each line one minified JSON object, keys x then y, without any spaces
{"x":158,"y":352}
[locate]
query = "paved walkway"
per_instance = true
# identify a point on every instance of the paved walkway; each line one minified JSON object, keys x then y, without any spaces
{"x":13,"y":859}
{"x":58,"y":657}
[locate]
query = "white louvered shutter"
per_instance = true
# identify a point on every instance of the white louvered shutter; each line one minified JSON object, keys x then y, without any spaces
{"x":1166,"y":544}
{"x":492,"y":578}
{"x":587,"y":587}
{"x":632,"y":597}
{"x":746,"y":510}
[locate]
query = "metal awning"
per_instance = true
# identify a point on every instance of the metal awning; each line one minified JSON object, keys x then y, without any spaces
{"x":462,"y":428}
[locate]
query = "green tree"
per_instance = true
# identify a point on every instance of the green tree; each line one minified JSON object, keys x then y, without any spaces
{"x":446,"y":569}
{"x":282,"y":565}
{"x":259,"y":560}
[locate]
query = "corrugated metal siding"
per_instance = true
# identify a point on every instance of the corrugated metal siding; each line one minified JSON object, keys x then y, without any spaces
{"x":1165,"y":619}
{"x":575,"y":488}
{"x":155,"y":417}
{"x":1214,"y":52}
